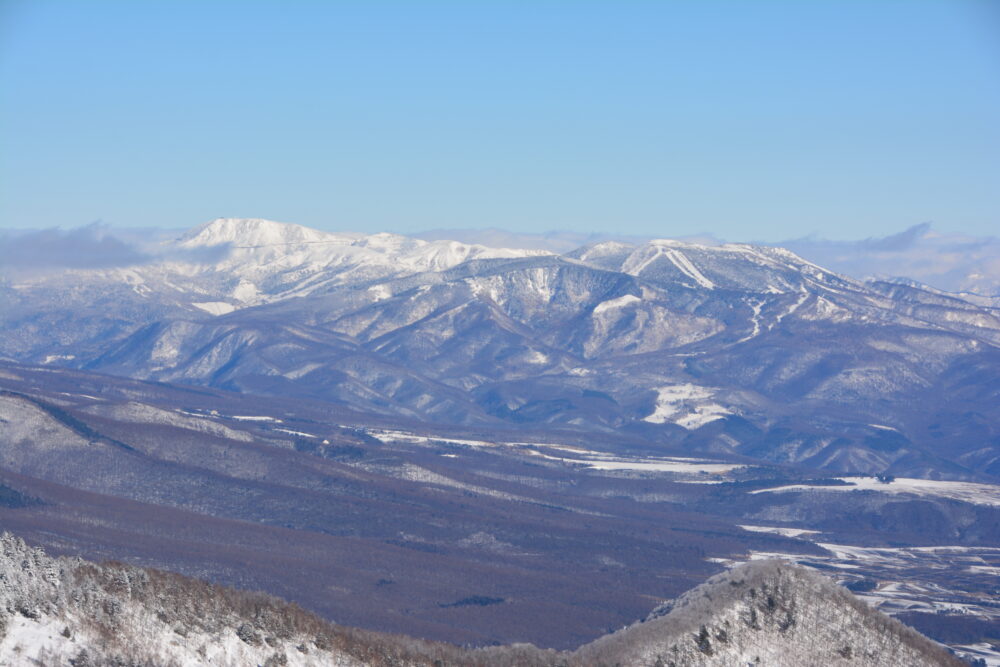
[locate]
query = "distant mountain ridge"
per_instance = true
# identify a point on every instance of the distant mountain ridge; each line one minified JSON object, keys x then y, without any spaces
{"x":947,"y":261}
{"x":275,"y":260}
{"x":731,"y":348}
{"x":60,"y":610}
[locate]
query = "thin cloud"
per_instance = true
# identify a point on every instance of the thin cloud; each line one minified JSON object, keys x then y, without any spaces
{"x":898,"y":242}
{"x":949,"y":262}
{"x":92,"y":246}
{"x":89,"y":247}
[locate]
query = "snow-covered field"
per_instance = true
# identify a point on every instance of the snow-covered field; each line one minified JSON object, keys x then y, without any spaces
{"x":674,"y":465}
{"x":215,"y":307}
{"x":908,"y":578}
{"x":686,"y":405}
{"x":982,"y":651}
{"x":778,"y":530}
{"x":685,"y":469}
{"x":585,"y":458}
{"x":969,"y":492}
{"x":387,"y":435}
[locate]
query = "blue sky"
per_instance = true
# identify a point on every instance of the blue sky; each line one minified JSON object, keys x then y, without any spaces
{"x":749,"y":120}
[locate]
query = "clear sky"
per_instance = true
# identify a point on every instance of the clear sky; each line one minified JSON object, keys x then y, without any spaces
{"x":751,"y":120}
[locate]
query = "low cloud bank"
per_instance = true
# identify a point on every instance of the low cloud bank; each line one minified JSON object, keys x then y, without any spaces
{"x":946,"y":261}
{"x":90,"y":247}
{"x":93,"y":246}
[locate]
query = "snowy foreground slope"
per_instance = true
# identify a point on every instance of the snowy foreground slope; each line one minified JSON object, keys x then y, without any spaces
{"x":61,"y":611}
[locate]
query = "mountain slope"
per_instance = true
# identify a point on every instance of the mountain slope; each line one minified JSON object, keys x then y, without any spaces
{"x":734,"y":349}
{"x":218,"y":267}
{"x":767,"y":613}
{"x":59,"y":611}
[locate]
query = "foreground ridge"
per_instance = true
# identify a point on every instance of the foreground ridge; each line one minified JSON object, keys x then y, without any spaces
{"x":766,"y":613}
{"x":67,"y":611}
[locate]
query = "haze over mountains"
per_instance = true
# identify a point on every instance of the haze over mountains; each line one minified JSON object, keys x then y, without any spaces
{"x":442,"y":431}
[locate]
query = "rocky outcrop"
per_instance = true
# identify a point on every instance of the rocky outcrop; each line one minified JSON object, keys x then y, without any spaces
{"x":766,"y":613}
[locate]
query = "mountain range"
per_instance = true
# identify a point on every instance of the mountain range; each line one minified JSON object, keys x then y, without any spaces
{"x":491,"y":445}
{"x":732,"y":348}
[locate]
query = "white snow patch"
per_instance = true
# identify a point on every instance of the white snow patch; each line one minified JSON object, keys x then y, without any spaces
{"x":537,"y":357}
{"x":25,"y":638}
{"x":983,"y":650}
{"x":883,"y":427}
{"x":296,"y":373}
{"x":620,"y":302}
{"x":756,"y":322}
{"x":291,"y":432}
{"x":791,"y":309}
{"x":780,"y":530}
{"x":95,"y":398}
{"x":215,"y":307}
{"x":701,"y":415}
{"x":386,"y":435}
{"x":380,"y":292}
{"x":600,"y":461}
{"x":52,"y":358}
{"x":687,"y":268}
{"x":665,"y":465}
{"x":634,"y":269}
{"x":246,"y":292}
{"x":686,"y":405}
{"x":969,"y":492}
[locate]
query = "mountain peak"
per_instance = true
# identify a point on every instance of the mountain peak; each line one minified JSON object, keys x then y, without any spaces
{"x":252,"y":232}
{"x":767,"y":612}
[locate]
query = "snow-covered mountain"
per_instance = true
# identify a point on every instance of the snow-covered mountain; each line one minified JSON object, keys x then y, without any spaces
{"x":466,"y":426}
{"x":268,"y":261}
{"x":213,"y":269}
{"x":729,"y":348}
{"x":69,"y":611}
{"x":766,"y":613}
{"x":218,"y":267}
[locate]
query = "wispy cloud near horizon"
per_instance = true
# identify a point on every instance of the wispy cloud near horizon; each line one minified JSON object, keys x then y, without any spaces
{"x":951,"y":262}
{"x":93,"y":246}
